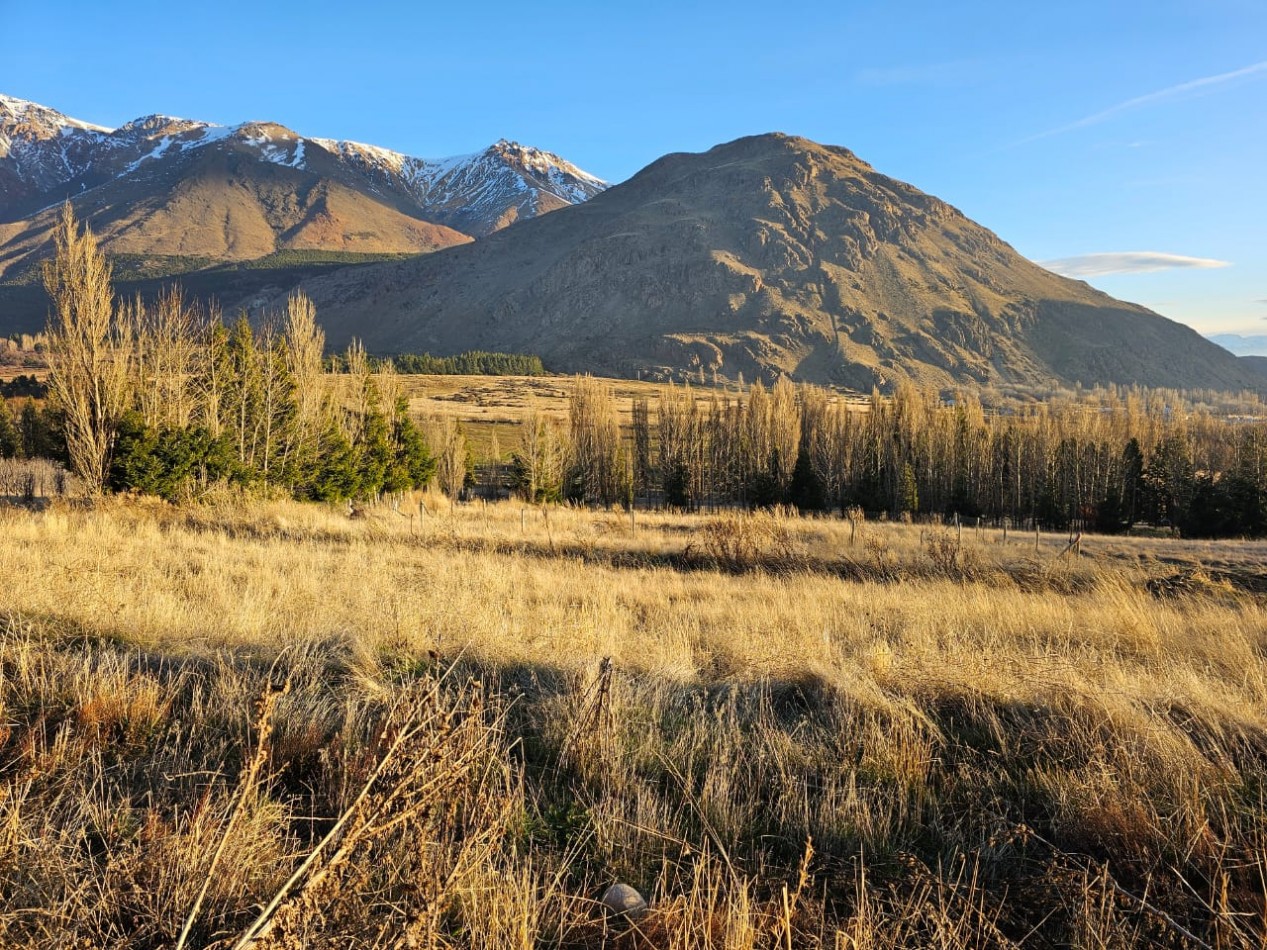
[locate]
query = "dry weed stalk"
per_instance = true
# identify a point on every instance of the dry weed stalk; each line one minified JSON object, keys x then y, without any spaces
{"x":430,"y":753}
{"x":247,"y":783}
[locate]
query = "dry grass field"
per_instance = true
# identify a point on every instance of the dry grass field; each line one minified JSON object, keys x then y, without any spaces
{"x":260,"y":723}
{"x":485,"y":405}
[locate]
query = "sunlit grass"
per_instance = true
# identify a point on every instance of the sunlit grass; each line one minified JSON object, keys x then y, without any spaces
{"x":926,"y":738}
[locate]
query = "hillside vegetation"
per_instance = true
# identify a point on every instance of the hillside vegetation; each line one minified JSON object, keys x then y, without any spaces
{"x":770,"y":255}
{"x":456,"y":726}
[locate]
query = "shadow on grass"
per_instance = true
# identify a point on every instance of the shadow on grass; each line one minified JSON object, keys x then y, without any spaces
{"x":634,"y":777}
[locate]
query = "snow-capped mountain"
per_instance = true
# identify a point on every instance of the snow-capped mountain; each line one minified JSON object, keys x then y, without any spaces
{"x":478,"y":193}
{"x":47,"y":157}
{"x":40,"y":148}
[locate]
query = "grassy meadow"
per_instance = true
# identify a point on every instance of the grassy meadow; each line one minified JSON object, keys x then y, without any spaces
{"x":261,"y":723}
{"x":496,"y":406}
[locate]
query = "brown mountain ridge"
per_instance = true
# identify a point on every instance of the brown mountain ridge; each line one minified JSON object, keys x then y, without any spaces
{"x":764,"y":256}
{"x":223,"y":203}
{"x":221,"y":206}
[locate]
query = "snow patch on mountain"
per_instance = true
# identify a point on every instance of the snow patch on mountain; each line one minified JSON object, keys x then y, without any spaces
{"x":47,"y":154}
{"x":36,"y":114}
{"x":208,"y":135}
{"x":157,"y":152}
{"x":281,"y":154}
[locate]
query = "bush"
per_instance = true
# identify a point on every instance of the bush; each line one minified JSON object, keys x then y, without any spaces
{"x":169,"y":463}
{"x":743,"y":542}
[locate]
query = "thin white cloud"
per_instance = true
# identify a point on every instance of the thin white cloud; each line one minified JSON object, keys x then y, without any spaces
{"x":1199,"y":86}
{"x":1125,"y":262}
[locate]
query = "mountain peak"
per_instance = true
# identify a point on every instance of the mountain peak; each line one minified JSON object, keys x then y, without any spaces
{"x":765,"y":256}
{"x":770,"y":144}
{"x":28,"y":121}
{"x":158,"y":124}
{"x":264,"y":130}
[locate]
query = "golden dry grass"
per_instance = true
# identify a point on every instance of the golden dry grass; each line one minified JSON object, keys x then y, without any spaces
{"x":810,"y":733}
{"x":488,"y":404}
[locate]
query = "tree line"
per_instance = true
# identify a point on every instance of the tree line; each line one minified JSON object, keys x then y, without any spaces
{"x":29,"y":432}
{"x":1109,"y":460}
{"x":164,"y":398}
{"x":161,"y":399}
{"x":471,"y":363}
{"x":23,"y":386}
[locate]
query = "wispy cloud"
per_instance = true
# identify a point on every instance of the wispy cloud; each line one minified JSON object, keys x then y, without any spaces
{"x":1196,"y":86}
{"x":1126,"y":262}
{"x":918,"y":74}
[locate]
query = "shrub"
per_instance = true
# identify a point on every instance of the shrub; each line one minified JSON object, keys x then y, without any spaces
{"x":746,"y":541}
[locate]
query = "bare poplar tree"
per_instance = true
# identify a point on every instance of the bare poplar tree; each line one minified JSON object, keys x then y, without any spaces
{"x":88,"y":349}
{"x":785,"y":432}
{"x":448,"y":443}
{"x":757,"y":444}
{"x":243,"y":390}
{"x":596,"y":469}
{"x":276,"y":392}
{"x":494,"y":466}
{"x":166,"y":358}
{"x":642,"y":448}
{"x":540,"y":457}
{"x":305,"y":347}
{"x":725,"y":449}
{"x":356,"y":390}
{"x":682,"y":449}
{"x":390,"y":389}
{"x":211,"y":383}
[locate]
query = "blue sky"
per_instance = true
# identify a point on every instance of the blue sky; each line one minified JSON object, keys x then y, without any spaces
{"x":1113,"y":127}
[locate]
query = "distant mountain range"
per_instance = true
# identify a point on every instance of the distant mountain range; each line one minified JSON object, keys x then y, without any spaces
{"x":171,"y":196}
{"x":765,"y":256}
{"x":770,"y":255}
{"x":1251,"y":345}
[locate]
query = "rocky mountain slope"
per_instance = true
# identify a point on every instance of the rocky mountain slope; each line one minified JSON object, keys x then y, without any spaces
{"x":189,"y":195}
{"x":1257,"y":364}
{"x":475,"y":194}
{"x":768,"y":255}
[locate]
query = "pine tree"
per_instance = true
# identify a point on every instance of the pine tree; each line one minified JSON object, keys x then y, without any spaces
{"x":414,"y":465}
{"x":10,"y":441}
{"x":37,"y":434}
{"x":336,"y":477}
{"x":376,"y":454}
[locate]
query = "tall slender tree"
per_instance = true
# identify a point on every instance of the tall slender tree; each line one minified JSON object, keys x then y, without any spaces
{"x":89,"y":350}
